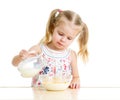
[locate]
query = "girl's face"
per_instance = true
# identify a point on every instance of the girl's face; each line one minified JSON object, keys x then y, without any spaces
{"x":63,"y":36}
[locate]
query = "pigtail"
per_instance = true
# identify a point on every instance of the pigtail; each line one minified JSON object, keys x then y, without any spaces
{"x":83,"y":40}
{"x":49,"y":27}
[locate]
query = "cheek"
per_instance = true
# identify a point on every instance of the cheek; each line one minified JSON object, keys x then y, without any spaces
{"x":68,"y":43}
{"x":56,"y":37}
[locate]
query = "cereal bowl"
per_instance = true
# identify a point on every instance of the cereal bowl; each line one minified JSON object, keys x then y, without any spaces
{"x":56,"y":84}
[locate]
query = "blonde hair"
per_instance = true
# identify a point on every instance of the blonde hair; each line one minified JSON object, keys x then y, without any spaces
{"x":55,"y":19}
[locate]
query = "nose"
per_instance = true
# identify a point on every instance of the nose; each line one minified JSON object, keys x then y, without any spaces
{"x":63,"y":39}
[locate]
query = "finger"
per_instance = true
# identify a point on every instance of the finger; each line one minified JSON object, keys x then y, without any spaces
{"x":32,"y":53}
{"x":23,"y":54}
{"x":77,"y":86}
{"x":72,"y":86}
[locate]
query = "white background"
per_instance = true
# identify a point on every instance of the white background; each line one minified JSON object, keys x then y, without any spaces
{"x":23,"y":23}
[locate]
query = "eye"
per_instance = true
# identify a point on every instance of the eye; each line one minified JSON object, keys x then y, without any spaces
{"x":61,"y":34}
{"x":69,"y":38}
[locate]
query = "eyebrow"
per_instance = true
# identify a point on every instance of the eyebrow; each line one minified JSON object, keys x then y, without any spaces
{"x":62,"y":31}
{"x":70,"y":36}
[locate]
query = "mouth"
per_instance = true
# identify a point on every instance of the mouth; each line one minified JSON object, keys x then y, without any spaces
{"x":60,"y":44}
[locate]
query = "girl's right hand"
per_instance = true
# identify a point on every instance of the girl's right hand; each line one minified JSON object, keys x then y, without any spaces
{"x":23,"y":54}
{"x":26,"y":54}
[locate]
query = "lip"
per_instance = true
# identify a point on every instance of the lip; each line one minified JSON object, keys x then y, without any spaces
{"x":60,"y":44}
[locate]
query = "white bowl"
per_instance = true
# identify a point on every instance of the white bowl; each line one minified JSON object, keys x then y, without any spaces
{"x":56,"y":84}
{"x":29,"y":67}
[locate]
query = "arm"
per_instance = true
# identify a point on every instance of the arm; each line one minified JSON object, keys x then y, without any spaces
{"x":75,"y":83}
{"x":34,"y":50}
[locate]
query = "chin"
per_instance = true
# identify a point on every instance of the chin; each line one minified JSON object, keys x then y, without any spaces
{"x":61,"y":48}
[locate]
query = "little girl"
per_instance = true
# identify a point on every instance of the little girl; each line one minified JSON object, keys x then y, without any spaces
{"x":62,"y":28}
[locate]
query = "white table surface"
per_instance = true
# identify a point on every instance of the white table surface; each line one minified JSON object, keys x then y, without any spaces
{"x":28,"y":93}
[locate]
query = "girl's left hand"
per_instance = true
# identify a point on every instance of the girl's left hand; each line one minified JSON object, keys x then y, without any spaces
{"x":75,"y":83}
